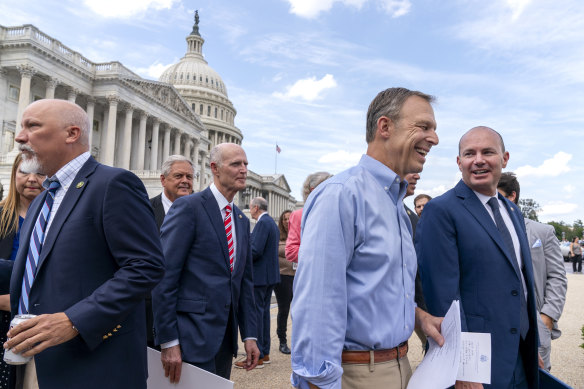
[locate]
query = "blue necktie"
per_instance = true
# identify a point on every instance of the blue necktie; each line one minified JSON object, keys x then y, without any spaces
{"x":36,"y":244}
{"x":506,"y":235}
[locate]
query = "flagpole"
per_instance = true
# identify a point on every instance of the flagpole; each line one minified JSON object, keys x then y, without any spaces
{"x":276,"y":160}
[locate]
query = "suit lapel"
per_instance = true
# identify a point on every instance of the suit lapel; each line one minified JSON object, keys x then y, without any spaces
{"x":472,"y":203}
{"x":237,"y":221}
{"x":214,"y":213}
{"x":69,"y":201}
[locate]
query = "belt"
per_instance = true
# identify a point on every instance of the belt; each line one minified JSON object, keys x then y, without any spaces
{"x":375,"y":356}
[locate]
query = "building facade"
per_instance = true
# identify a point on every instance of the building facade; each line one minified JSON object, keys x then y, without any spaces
{"x":136,"y":123}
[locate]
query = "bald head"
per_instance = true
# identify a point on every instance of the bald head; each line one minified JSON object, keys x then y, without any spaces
{"x":53,"y":133}
{"x":478,"y":129}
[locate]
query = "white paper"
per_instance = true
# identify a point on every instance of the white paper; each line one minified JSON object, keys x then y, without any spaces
{"x":191,"y":377}
{"x":475,"y":358}
{"x":439,"y":367}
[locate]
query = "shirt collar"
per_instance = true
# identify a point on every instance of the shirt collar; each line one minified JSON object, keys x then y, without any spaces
{"x":263,"y":213}
{"x":221,"y":200}
{"x":386,"y":177}
{"x":166,"y":203}
{"x":484,"y":199}
{"x":67,"y":173}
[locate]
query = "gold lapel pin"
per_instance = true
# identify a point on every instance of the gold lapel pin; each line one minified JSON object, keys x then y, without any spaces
{"x":80,"y":184}
{"x":240,"y":216}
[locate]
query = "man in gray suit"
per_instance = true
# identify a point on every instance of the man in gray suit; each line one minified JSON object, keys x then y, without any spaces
{"x":548,"y":272}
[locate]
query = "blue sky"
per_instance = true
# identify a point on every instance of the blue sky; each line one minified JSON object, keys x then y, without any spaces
{"x":303,"y":72}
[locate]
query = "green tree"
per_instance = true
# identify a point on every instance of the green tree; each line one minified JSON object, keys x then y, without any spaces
{"x":578,"y":228}
{"x":529,"y":208}
{"x":561,"y":227}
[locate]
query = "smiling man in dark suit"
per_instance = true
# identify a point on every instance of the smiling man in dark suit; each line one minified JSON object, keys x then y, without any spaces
{"x":177,"y":181}
{"x":96,"y":255}
{"x":266,"y":272}
{"x":472,"y":247}
{"x":207,"y":292}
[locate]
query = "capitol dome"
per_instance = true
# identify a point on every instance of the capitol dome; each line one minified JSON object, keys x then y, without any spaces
{"x":204,"y":90}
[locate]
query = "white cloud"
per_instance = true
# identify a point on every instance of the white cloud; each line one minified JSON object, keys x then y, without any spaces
{"x":396,"y":8}
{"x":127,"y":8}
{"x":309,"y":89}
{"x":569,"y":189}
{"x":340,"y":159}
{"x":517,"y":7}
{"x":557,"y":208}
{"x":153,"y":71}
{"x":551,"y":167}
{"x":312,"y":8}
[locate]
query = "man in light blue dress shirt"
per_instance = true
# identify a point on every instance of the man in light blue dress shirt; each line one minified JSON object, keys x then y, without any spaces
{"x":353,"y":309}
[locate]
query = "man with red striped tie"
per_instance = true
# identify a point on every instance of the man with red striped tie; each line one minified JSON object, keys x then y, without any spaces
{"x":207,"y":291}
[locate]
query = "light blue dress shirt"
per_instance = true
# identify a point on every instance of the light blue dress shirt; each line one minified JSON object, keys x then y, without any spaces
{"x":354,"y":287}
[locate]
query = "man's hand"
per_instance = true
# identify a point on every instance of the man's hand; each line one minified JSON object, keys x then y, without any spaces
{"x":40,"y":333}
{"x":253,"y":354}
{"x":171,"y":363}
{"x":540,"y":362}
{"x":430,"y":325}
{"x":467,"y":385}
{"x":548,"y":321}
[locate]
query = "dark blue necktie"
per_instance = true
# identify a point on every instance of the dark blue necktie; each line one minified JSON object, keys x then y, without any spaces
{"x":36,"y":244}
{"x":506,"y":235}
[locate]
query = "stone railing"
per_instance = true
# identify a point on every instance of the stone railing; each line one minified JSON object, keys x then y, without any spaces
{"x":28,"y":32}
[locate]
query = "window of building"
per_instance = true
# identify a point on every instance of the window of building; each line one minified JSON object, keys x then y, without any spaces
{"x":215,"y":112}
{"x":221,"y":114}
{"x":207,"y":80}
{"x":201,"y":109}
{"x":187,"y":76}
{"x":201,"y":78}
{"x":193,"y":107}
{"x":14,"y":92}
{"x":208,"y":110}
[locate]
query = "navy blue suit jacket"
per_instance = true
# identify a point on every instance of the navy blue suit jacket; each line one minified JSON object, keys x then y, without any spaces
{"x":462,"y":256}
{"x":265,"y":238}
{"x":193,"y":301}
{"x":100,"y":258}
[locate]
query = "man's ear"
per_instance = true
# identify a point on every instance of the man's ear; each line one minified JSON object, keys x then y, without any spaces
{"x":73,"y":134}
{"x":384,"y":127}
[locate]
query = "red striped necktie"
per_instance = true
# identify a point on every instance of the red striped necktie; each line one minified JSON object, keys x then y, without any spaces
{"x":227,"y":222}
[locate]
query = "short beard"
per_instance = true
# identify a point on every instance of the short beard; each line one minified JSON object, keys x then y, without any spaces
{"x":30,"y":162}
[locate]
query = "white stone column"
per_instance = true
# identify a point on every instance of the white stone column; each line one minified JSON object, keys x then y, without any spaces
{"x":110,"y":141}
{"x":177,"y":136}
{"x":126,"y":148}
{"x":142,"y":141}
{"x":154,"y":145}
{"x":166,"y":144}
{"x":72,"y":95}
{"x":188,"y":145}
{"x":215,"y":138}
{"x":196,"y":154}
{"x":202,"y":174}
{"x":26,"y":73}
{"x":51,"y":84}
{"x":90,"y":109}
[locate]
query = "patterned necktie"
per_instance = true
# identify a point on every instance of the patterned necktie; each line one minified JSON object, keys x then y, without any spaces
{"x":36,"y":244}
{"x":227,"y":222}
{"x":506,"y":235}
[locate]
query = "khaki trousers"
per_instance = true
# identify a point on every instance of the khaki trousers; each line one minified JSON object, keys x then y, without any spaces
{"x":393,"y":374}
{"x":30,"y":377}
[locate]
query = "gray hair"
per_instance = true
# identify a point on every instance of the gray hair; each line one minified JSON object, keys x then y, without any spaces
{"x":389,"y":103}
{"x":74,"y":115}
{"x":167,"y":165}
{"x":312,"y":181}
{"x":260,"y":202}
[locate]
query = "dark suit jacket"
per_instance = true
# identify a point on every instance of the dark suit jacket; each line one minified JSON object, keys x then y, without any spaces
{"x":419,"y":292}
{"x":100,"y":258}
{"x":264,"y":250}
{"x":462,"y":256}
{"x":5,"y":262}
{"x":198,"y":292}
{"x":158,"y":208}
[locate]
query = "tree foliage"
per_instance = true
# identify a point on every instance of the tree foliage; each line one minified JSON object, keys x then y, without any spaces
{"x":529,"y":208}
{"x":568,"y":231}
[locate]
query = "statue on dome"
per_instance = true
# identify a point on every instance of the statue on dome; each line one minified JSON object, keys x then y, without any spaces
{"x":196,"y":26}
